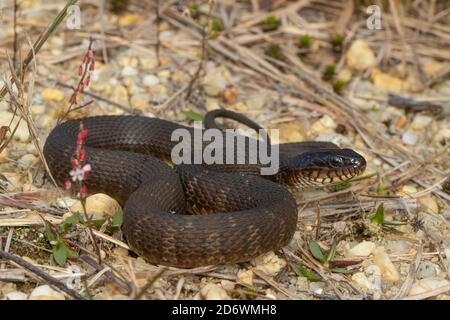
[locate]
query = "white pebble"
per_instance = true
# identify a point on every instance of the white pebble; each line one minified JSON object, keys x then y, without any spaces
{"x":427,"y":284}
{"x":213,"y":291}
{"x":420,"y":122}
{"x":269,"y":263}
{"x":245,"y":277}
{"x":388,"y":271}
{"x":150,"y":80}
{"x":16,"y":295}
{"x":46,"y":293}
{"x":363,"y":249}
{"x":409,"y":138}
{"x":129,"y":71}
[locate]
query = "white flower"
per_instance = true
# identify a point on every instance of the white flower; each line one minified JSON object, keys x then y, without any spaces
{"x":80,"y":173}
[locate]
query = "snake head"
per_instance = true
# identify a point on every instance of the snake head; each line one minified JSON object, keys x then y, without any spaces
{"x":323,"y":167}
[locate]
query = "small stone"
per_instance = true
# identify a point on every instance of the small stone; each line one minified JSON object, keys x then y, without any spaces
{"x":269,"y":263}
{"x":164,"y":74}
{"x":16,"y":295}
{"x":388,"y":271}
{"x":38,"y":109}
{"x":429,"y":203}
{"x":373,"y":273}
{"x":150,"y":80}
{"x":216,"y":81}
{"x":334,"y":137}
{"x":339,"y":226}
{"x":317,"y":287}
{"x":291,"y":132}
{"x":100,"y":205}
{"x":360,"y":56}
{"x":27,"y":160}
{"x":227,"y":284}
{"x":245,"y":277}
{"x":362,"y":281}
{"x":409,"y":138}
{"x":256,"y":101}
{"x":427,"y":269}
{"x":399,"y":247}
{"x":446,"y":215}
{"x":401,"y":122}
{"x":387,"y":83}
{"x":230,"y":95}
{"x":129,"y":71}
{"x":52,"y":94}
{"x":420,"y":122}
{"x":408,"y":190}
{"x":213,"y":291}
{"x":363,"y":249}
{"x":427,"y":284}
{"x":46,"y":293}
{"x":328,"y":122}
{"x":344,"y":75}
{"x":140,"y":101}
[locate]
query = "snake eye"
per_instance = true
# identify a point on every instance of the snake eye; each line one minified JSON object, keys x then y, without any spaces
{"x":336,"y":162}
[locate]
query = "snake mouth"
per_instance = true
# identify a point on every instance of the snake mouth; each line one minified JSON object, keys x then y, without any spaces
{"x":324,"y":167}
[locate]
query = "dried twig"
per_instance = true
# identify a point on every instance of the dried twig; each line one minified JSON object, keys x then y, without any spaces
{"x":52,"y":281}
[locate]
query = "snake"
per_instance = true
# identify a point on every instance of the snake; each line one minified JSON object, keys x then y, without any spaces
{"x":192,"y":215}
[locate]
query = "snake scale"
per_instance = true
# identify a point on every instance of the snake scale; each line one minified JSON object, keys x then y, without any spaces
{"x":193,"y":215}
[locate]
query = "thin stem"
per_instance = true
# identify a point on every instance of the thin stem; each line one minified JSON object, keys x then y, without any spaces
{"x":52,"y":281}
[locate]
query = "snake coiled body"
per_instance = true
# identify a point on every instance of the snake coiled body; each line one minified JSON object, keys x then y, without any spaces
{"x":247,"y":215}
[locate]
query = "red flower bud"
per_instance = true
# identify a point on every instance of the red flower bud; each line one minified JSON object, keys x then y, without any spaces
{"x":74,"y":163}
{"x":68,"y":184}
{"x":80,"y":70}
{"x":82,"y":154}
{"x":83,"y":191}
{"x":87,"y":81}
{"x":73,"y":99}
{"x":92,"y":66}
{"x":90,"y":54}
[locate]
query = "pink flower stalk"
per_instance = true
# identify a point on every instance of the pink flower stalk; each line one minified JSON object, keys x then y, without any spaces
{"x":84,"y":71}
{"x":80,"y":170}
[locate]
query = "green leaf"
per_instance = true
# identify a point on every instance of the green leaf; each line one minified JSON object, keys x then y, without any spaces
{"x":117,"y":218}
{"x":381,"y":188}
{"x":60,"y":253}
{"x":341,"y":186}
{"x":303,"y":272}
{"x":341,"y":270}
{"x":316,"y":251}
{"x":70,"y":221}
{"x":193,"y":115}
{"x":49,"y":232}
{"x":378,"y":217}
{"x":96,"y":223}
{"x":332,"y":253}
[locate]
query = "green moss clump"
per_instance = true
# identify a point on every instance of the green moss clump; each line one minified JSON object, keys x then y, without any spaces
{"x":270,"y":23}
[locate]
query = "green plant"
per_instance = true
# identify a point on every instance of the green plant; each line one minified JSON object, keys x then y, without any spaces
{"x":305,"y":41}
{"x":381,"y":187}
{"x":330,"y":71}
{"x":274,"y":51}
{"x":329,"y":261}
{"x":304,"y":272}
{"x":337,"y":41}
{"x":378,"y":218}
{"x":270,"y":23}
{"x":193,"y":11}
{"x":338,"y":86}
{"x":60,"y":249}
